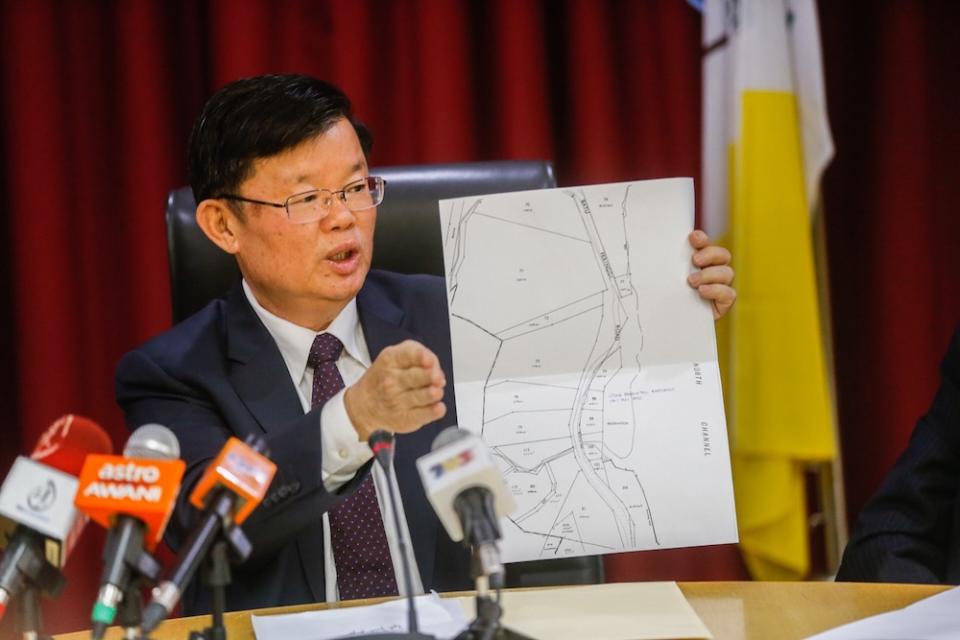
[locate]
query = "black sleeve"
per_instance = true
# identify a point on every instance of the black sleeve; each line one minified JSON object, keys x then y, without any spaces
{"x":904,"y":532}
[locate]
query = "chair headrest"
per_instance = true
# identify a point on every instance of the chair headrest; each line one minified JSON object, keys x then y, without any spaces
{"x":406,"y":238}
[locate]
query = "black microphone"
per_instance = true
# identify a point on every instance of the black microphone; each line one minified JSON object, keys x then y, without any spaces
{"x":233,"y":485}
{"x":381,"y":443}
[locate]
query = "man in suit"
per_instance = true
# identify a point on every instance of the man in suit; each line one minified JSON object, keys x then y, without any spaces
{"x":910,"y":530}
{"x":312,"y":352}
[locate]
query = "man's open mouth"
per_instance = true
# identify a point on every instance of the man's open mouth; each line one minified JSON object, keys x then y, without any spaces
{"x":343,"y":255}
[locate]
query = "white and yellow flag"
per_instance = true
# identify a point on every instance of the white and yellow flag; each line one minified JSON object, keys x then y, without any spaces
{"x":766,"y":143}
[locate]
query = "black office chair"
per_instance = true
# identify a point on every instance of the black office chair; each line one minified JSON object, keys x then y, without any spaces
{"x":406,"y":239}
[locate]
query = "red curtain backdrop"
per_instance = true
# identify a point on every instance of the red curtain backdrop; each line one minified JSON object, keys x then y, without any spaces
{"x":892,"y":201}
{"x":97,"y":99}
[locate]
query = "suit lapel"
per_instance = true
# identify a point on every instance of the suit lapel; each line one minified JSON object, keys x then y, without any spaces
{"x":261,"y":379}
{"x":259,"y":374}
{"x":381,"y":320}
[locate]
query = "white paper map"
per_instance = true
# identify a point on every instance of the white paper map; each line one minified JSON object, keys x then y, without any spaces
{"x":589,"y":366}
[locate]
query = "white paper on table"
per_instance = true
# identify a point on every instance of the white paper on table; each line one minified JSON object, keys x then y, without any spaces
{"x":933,"y":618}
{"x":623,"y":611}
{"x":589,"y":366}
{"x":442,"y":618}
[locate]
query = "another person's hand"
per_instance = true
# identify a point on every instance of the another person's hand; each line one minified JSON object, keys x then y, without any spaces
{"x":713,"y":280}
{"x":400,"y":392}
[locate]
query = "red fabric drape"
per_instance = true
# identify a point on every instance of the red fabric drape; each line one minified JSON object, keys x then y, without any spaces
{"x":892,"y":219}
{"x":97,"y":99}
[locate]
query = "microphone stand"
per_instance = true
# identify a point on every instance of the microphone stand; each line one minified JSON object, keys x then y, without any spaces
{"x":482,"y":531}
{"x":216,"y":576}
{"x":487,"y":625}
{"x":130,"y":611}
{"x":31,"y":624}
{"x":382,"y":444}
{"x":142,"y":567}
{"x":38,"y":576}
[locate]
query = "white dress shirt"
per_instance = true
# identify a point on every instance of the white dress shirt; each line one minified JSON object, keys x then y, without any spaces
{"x":343,"y":453}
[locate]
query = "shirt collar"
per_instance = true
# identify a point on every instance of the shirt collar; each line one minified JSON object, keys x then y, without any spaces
{"x":295,"y":341}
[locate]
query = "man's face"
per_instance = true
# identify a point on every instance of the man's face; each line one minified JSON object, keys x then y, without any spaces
{"x":306,"y":273}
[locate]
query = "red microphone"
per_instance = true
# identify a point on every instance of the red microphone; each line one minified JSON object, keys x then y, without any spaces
{"x":67,"y":442}
{"x":36,"y":504}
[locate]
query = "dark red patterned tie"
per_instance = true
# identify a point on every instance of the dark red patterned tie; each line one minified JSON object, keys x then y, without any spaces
{"x":360,"y":550}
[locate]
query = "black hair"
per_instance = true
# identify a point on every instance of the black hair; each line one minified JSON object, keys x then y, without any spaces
{"x":260,"y":117}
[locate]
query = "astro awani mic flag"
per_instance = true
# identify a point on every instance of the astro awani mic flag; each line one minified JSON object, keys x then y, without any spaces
{"x":766,"y":143}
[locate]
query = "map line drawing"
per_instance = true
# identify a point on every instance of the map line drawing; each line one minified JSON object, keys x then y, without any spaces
{"x":592,"y":379}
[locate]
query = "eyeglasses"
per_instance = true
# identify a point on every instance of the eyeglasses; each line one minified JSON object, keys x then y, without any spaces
{"x":314,"y":205}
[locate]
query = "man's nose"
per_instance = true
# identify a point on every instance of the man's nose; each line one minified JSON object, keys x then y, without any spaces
{"x":340,"y":216}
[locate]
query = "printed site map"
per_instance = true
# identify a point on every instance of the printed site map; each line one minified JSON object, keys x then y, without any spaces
{"x":589,"y":366}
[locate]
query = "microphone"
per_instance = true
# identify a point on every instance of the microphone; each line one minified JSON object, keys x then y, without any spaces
{"x":38,"y":520}
{"x":132,"y":496}
{"x":68,"y":441}
{"x":467,"y":491}
{"x":229,"y":490}
{"x":381,"y":443}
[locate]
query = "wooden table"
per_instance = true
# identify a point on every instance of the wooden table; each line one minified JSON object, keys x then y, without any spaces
{"x":793,"y":610}
{"x":731,"y":610}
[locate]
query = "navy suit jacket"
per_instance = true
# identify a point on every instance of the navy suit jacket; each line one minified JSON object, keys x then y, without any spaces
{"x":220,"y":374}
{"x":910,"y":531}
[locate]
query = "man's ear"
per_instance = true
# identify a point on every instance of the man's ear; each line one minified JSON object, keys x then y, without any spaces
{"x":219,"y":223}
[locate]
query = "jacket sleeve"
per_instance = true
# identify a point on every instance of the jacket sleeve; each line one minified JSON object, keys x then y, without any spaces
{"x":296,"y":498}
{"x":904,"y":533}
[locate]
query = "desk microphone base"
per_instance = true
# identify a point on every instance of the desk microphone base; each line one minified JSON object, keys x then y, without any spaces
{"x":489,"y":613}
{"x":392,"y":636}
{"x":502,"y":633}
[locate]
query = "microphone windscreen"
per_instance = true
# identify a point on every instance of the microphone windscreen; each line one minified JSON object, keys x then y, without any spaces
{"x":460,"y":461}
{"x":153,"y":442}
{"x":68,"y":441}
{"x":449,"y":436}
{"x":380,"y":440}
{"x":240,"y":469}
